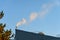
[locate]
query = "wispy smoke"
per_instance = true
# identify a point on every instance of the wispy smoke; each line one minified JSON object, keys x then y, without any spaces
{"x":57,"y":3}
{"x":48,"y":7}
{"x":23,"y":21}
{"x":45,"y":9}
{"x":33,"y":16}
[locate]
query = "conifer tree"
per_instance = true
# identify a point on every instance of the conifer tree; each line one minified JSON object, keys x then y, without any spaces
{"x":4,"y":35}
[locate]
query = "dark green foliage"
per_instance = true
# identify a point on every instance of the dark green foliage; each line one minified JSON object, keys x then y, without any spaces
{"x":1,"y":14}
{"x":1,"y":24}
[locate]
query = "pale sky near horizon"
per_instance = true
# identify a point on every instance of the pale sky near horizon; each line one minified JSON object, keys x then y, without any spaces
{"x":48,"y":11}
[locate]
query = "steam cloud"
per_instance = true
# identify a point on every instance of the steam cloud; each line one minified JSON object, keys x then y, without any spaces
{"x":23,"y":21}
{"x":46,"y":8}
{"x":33,"y":16}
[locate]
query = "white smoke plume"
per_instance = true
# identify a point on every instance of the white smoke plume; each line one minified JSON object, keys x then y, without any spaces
{"x":45,"y":9}
{"x":23,"y":21}
{"x":33,"y":16}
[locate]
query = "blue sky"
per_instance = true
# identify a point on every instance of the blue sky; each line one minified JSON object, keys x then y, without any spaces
{"x":47,"y":22}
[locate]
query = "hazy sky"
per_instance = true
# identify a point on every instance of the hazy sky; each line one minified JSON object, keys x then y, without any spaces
{"x":46,"y":15}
